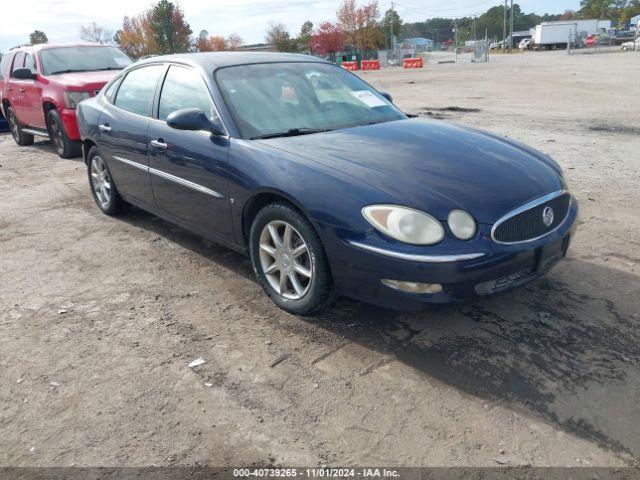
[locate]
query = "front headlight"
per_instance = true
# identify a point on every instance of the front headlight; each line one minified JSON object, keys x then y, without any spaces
{"x":72,"y":99}
{"x":462,"y":225}
{"x":404,"y":224}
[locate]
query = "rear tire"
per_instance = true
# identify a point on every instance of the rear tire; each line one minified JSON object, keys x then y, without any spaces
{"x":102,"y":186}
{"x":65,"y":147}
{"x":19,"y":136}
{"x":289,"y":260}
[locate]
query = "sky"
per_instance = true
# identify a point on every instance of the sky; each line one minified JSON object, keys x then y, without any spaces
{"x":61,"y":19}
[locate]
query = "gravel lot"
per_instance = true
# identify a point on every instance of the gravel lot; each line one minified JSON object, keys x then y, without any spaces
{"x":99,"y":317}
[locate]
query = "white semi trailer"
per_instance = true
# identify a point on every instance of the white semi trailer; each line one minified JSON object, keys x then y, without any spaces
{"x":556,"y":34}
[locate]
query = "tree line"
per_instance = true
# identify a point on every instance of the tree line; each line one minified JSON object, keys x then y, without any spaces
{"x":162,"y":28}
{"x":491,"y":22}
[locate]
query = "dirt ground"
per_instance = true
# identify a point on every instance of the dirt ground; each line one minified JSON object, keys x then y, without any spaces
{"x":100,"y":317}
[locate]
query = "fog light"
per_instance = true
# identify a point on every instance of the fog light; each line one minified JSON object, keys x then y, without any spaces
{"x":413,"y":287}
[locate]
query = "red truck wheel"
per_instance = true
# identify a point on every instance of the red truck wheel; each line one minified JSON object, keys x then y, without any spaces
{"x":19,"y":136}
{"x":65,"y":147}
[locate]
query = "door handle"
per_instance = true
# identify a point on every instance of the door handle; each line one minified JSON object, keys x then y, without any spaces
{"x":159,"y":144}
{"x":22,"y":90}
{"x":105,"y":127}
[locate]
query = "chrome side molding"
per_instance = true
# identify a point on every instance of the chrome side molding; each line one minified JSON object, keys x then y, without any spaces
{"x":137,"y":165}
{"x":172,"y":178}
{"x":185,"y":183}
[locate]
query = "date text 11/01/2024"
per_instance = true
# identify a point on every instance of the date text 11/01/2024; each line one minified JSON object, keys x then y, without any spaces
{"x":317,"y":472}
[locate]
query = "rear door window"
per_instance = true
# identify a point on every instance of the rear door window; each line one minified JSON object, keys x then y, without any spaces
{"x":137,"y":89}
{"x":18,"y":61}
{"x":184,"y":88}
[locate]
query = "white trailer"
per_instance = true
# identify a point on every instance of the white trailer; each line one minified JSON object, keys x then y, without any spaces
{"x":556,"y":34}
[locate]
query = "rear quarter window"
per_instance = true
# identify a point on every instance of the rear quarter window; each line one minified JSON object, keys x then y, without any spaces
{"x":111,"y":90}
{"x":29,"y":62}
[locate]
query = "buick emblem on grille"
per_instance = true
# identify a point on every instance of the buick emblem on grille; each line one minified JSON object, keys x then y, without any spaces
{"x":547,"y":216}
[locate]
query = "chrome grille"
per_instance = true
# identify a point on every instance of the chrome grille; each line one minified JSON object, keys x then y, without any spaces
{"x":526,"y":223}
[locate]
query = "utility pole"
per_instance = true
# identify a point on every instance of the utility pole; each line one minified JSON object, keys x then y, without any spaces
{"x":511,"y":27}
{"x":455,"y":46}
{"x":474,"y":32}
{"x":486,"y":44}
{"x":504,"y":26}
{"x":392,"y":10}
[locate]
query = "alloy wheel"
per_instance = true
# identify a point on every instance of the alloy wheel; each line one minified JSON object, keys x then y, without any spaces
{"x":100,"y":181}
{"x":285,"y":260}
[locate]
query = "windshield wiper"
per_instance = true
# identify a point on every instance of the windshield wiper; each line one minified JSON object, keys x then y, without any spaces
{"x":374,"y":122}
{"x":292,"y":132}
{"x":106,"y":68}
{"x":70,"y":70}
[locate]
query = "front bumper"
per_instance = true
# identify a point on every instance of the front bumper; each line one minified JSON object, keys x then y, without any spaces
{"x":68,"y":117}
{"x":358,"y":272}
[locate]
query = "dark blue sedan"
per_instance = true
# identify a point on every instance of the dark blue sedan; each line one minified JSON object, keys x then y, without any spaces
{"x":325,"y":184}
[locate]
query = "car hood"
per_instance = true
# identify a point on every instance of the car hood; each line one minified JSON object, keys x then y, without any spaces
{"x":434,"y":166}
{"x":84,"y":80}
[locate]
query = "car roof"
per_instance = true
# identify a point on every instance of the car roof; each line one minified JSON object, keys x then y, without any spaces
{"x":46,"y":46}
{"x":213,"y":60}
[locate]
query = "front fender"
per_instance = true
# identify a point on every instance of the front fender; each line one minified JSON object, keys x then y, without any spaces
{"x":326,"y":196}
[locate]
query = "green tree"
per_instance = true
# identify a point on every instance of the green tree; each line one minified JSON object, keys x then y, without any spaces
{"x":391,"y":23}
{"x":629,"y":12}
{"x":38,"y":36}
{"x":437,"y":29}
{"x":170,"y":30}
{"x":491,"y":22}
{"x":605,"y":9}
{"x":305,"y":35}
{"x":278,"y":36}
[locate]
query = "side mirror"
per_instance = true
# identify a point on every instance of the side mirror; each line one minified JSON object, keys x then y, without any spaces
{"x":194,"y":119}
{"x":23,"y":74}
{"x":387,"y":96}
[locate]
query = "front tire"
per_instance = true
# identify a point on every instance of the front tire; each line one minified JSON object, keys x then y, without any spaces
{"x":289,"y":260}
{"x":101,"y":183}
{"x":65,"y":147}
{"x":19,"y":136}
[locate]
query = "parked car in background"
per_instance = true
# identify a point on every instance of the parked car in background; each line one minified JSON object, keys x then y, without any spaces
{"x":525,"y":44}
{"x":633,"y":45}
{"x":41,"y":85}
{"x":326,"y":185}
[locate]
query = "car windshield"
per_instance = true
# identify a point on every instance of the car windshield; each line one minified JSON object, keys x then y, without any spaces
{"x":282,"y":99}
{"x":82,"y":59}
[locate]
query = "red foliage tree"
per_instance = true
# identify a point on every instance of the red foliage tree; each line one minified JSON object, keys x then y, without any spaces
{"x":327,"y":39}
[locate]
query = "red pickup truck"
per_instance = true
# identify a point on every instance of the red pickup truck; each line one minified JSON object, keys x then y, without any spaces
{"x":41,"y":85}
